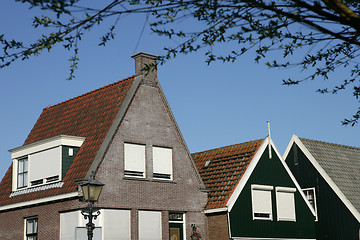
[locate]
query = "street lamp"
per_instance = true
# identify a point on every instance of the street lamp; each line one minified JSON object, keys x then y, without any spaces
{"x":91,"y":190}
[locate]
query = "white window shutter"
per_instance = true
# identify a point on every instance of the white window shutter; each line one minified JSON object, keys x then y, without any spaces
{"x":150,"y":225}
{"x":117,"y":224}
{"x":285,"y":204}
{"x":162,"y":162}
{"x":68,"y":223}
{"x":262,"y":204}
{"x":45,"y":164}
{"x":134,"y":155}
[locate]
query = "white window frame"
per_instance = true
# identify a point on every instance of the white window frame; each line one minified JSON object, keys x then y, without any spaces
{"x":32,"y":235}
{"x":266,"y":191}
{"x":23,"y":175}
{"x":183,"y":222}
{"x":280,"y":193}
{"x":138,"y":152}
{"x":315,"y":203}
{"x":162,"y":163}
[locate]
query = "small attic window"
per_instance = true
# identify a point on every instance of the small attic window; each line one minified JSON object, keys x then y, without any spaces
{"x":43,"y":162}
{"x":71,"y":152}
{"x":207,"y":163}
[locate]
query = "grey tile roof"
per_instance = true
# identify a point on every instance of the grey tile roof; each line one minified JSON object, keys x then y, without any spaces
{"x":341,"y":163}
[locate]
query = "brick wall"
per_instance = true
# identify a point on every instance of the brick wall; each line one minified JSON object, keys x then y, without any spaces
{"x":218,"y":226}
{"x":149,"y":122}
{"x":12,"y":222}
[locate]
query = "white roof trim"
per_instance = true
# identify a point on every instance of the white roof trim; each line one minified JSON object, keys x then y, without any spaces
{"x":216,"y":210}
{"x":322,"y":172}
{"x":38,"y":201}
{"x":247,"y":174}
{"x":251,"y":168}
{"x":48,"y":143}
{"x":293,"y":179}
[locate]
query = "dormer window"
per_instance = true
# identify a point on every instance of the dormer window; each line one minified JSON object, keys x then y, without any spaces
{"x":22,"y":173}
{"x":43,"y":162}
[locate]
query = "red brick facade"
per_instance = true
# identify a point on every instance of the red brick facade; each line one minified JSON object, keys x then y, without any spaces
{"x":12,"y":222}
{"x":218,"y":226}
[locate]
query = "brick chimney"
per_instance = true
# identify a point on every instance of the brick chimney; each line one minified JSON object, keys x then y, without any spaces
{"x":145,"y":64}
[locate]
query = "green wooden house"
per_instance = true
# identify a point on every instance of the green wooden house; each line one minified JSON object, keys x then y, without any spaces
{"x":329,"y":176}
{"x":253,"y":194}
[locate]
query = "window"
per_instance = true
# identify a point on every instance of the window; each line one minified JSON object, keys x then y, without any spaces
{"x":31,"y":228}
{"x":150,"y":225}
{"x":43,"y":162}
{"x":134,"y":157}
{"x":117,"y":224}
{"x":49,"y":159}
{"x":285,"y":204}
{"x":311,"y":197}
{"x":176,"y":226}
{"x":81,"y":233}
{"x":162,"y":163}
{"x":261,"y":202}
{"x":22,"y":173}
{"x":73,"y":226}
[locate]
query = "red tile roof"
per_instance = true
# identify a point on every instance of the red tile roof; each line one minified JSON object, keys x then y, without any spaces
{"x":89,"y":115}
{"x":222,"y":169}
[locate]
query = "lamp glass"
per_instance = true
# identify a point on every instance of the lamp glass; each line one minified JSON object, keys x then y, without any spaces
{"x":91,"y":191}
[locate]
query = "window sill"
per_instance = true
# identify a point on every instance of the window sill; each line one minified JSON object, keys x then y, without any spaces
{"x":137,"y":178}
{"x":149,"y":180}
{"x":163,"y":180}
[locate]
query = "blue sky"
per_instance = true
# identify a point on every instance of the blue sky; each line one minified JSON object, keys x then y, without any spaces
{"x":214,"y":105}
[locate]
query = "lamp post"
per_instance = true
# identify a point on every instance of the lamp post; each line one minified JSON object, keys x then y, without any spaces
{"x":91,"y":190}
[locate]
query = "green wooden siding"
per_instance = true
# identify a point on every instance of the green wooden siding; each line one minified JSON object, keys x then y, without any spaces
{"x":270,"y":172}
{"x":66,"y":159}
{"x":335,"y":221}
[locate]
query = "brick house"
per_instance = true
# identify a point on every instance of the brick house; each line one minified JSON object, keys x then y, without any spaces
{"x":253,"y":194}
{"x":126,"y":136}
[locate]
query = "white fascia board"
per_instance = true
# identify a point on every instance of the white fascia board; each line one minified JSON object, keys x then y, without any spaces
{"x":230,"y":204}
{"x":293,"y":178}
{"x":48,"y":143}
{"x":216,"y":210}
{"x":288,"y":148}
{"x":39,"y":201}
{"x":323,"y":174}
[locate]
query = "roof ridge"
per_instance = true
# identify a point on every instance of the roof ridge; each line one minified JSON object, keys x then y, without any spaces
{"x":233,"y":145}
{"x":329,"y":143}
{"x":88,"y":93}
